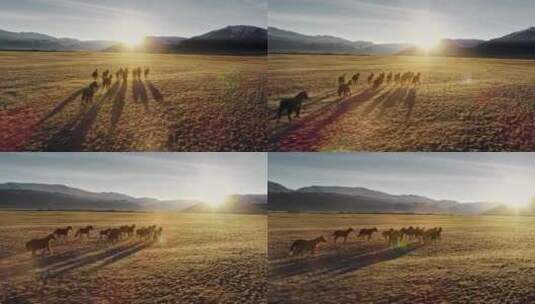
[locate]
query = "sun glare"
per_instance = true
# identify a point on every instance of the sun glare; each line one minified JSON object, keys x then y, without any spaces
{"x":131,"y":32}
{"x":213,"y":186}
{"x":216,"y":199}
{"x":427,"y":32}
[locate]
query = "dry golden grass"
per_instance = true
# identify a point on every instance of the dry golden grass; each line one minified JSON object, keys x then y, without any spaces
{"x":207,"y":103}
{"x":478,"y":260}
{"x":463,"y":104}
{"x":202,"y":258}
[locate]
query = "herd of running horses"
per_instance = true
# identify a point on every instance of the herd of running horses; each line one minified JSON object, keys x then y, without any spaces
{"x":107,"y":77}
{"x":294,"y":105}
{"x":393,"y":237}
{"x":112,"y":235}
{"x":402,"y":79}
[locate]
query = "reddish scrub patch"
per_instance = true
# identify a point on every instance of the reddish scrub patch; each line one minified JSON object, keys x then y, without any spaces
{"x":16,"y":127}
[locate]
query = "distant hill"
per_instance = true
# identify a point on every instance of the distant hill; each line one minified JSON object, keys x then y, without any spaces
{"x":240,"y":39}
{"x":60,"y":197}
{"x":37,"y":41}
{"x":284,"y":41}
{"x":385,"y":49}
{"x":519,"y":44}
{"x":503,"y":210}
{"x":38,"y":200}
{"x":275,"y":188}
{"x":246,"y":204}
{"x":359,"y":199}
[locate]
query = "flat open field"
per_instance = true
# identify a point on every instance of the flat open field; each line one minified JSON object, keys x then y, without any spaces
{"x":202,"y":258}
{"x":478,"y":260}
{"x":462,"y":104}
{"x":188,"y":103}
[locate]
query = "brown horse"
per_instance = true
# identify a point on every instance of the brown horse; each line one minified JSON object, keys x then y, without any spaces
{"x":355,"y":79}
{"x":291,"y":105}
{"x":344,"y":90}
{"x":342,"y":234}
{"x":84,"y":231}
{"x":63,"y":232}
{"x":300,"y":246}
{"x":370,"y":78}
{"x":367,"y":233}
{"x":114,"y":235}
{"x":88,"y":93}
{"x":40,"y":244}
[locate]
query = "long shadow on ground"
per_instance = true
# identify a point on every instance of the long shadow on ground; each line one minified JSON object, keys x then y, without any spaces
{"x":60,"y":106}
{"x":140,"y":92}
{"x":118,"y":107}
{"x":156,"y":94}
{"x":337,"y":264}
{"x":56,"y":265}
{"x":71,"y":137}
{"x":307,"y":130}
{"x":410,"y":102}
{"x":106,"y":257}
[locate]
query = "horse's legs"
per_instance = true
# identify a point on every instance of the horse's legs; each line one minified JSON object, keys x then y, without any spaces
{"x":279,"y":114}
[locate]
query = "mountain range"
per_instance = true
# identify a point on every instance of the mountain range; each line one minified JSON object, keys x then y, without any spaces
{"x":520,"y":44}
{"x":284,"y":41}
{"x":61,"y":197}
{"x":359,"y":199}
{"x":41,"y":42}
{"x":231,"y":39}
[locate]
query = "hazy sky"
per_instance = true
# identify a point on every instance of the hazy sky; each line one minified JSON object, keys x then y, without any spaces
{"x":466,"y":177}
{"x":112,"y":19}
{"x":403,"y":20}
{"x":205,"y":176}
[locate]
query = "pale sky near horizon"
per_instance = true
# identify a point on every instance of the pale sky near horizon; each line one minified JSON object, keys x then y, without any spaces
{"x":202,"y":176}
{"x":113,"y":19}
{"x":413,"y":21}
{"x":465,"y":177}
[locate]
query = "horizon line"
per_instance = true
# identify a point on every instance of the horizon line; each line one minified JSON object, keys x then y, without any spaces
{"x":114,"y":40}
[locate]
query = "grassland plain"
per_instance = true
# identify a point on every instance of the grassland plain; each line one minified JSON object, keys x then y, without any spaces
{"x":202,"y":258}
{"x":479,"y":260}
{"x":189,"y":103}
{"x":462,"y":104}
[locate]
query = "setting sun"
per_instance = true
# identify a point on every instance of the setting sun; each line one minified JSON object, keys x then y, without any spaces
{"x":131,"y":31}
{"x":215,"y":199}
{"x":426,"y":33}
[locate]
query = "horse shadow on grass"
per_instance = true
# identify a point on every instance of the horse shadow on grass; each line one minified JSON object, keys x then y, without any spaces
{"x":72,"y":135}
{"x":140,"y":93}
{"x":60,"y":106}
{"x":405,"y":96}
{"x":117,"y":109}
{"x":338,"y":264}
{"x":309,"y":128}
{"x":56,"y":265}
{"x":156,"y":93}
{"x":98,"y":260}
{"x":385,"y":100}
{"x":410,"y":102}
